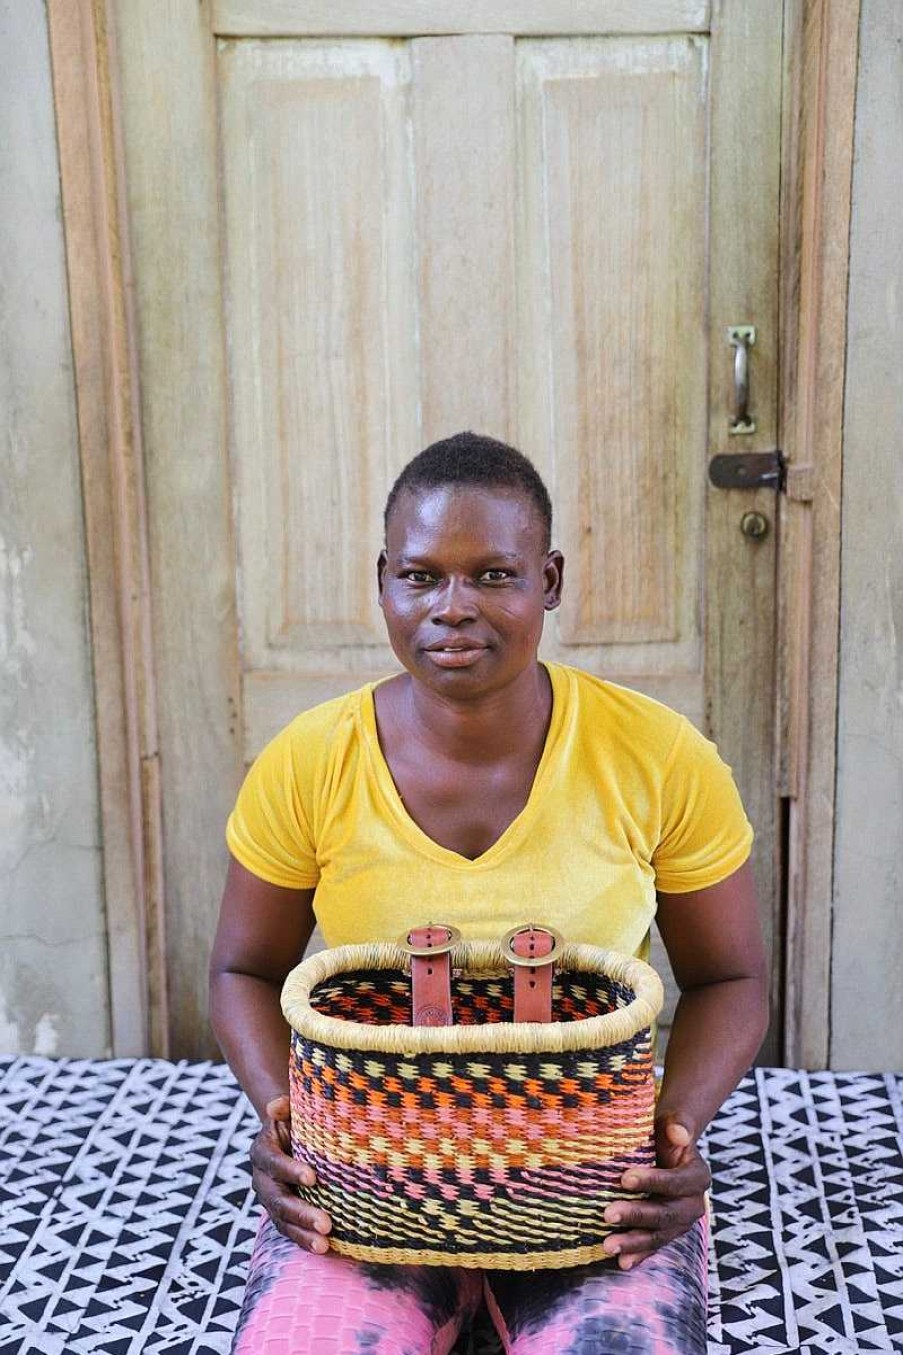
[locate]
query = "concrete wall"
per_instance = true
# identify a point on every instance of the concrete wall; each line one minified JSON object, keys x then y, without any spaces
{"x":867,"y":987}
{"x":53,"y":972}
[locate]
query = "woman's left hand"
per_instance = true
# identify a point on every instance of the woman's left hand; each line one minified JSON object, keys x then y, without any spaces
{"x":676,"y":1188}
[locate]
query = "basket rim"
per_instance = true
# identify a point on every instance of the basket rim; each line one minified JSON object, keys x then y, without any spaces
{"x":473,"y":957}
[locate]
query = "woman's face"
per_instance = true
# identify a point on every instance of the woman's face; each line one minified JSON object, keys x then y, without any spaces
{"x":464,"y":584}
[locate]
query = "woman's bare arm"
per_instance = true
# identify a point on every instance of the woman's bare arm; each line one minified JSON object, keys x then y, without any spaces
{"x":263,"y":930}
{"x":714,"y":941}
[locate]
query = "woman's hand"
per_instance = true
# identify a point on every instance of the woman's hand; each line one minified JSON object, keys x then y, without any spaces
{"x":276,"y":1173}
{"x":677,"y":1187}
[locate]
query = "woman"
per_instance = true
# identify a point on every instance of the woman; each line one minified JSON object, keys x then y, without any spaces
{"x":502,"y":790}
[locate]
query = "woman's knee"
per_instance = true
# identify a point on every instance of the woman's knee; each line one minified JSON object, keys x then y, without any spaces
{"x":657,"y":1308}
{"x":298,"y":1303}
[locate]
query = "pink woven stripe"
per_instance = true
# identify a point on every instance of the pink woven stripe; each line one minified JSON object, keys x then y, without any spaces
{"x":348,"y":1177}
{"x":590,"y":1179}
{"x":580,"y":1132}
{"x":551,"y":1182}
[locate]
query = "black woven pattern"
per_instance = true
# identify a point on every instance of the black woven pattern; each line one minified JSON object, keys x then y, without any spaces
{"x":382,"y":997}
{"x":486,"y":1080}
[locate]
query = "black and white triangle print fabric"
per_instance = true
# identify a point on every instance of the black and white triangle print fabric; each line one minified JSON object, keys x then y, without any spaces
{"x":808,"y":1200}
{"x":126,"y":1218}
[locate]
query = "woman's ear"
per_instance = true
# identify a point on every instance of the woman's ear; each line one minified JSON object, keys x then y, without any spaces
{"x":380,"y":575}
{"x":553,"y":579}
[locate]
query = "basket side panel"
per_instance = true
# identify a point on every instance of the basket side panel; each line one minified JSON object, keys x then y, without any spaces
{"x":469,"y":1154}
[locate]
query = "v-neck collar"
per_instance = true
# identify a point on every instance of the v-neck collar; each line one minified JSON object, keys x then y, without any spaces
{"x":519,"y":825}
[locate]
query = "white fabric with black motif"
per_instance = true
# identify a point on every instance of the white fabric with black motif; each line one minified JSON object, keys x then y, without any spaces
{"x":126,"y":1219}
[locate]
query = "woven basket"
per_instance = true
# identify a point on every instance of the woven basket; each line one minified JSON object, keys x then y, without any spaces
{"x":486,"y":1143}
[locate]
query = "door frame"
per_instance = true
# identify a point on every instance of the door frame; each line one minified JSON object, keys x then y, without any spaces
{"x":104,"y":356}
{"x":133,"y":651}
{"x":821,"y":63}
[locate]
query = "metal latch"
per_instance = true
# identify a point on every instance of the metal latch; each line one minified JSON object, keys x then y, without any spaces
{"x":747,"y":470}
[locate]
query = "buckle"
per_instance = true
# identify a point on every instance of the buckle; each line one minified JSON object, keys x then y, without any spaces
{"x":532,"y":961}
{"x":453,"y":938}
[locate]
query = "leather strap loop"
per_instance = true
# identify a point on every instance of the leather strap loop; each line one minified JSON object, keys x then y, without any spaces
{"x":431,"y":976}
{"x":532,"y":985}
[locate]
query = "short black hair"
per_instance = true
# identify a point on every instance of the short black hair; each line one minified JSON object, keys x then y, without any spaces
{"x":472,"y":459}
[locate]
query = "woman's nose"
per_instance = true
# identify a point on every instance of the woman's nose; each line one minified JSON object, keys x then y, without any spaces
{"x":455,"y":602}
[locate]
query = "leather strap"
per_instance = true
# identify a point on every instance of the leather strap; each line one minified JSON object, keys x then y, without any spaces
{"x":532,"y":986}
{"x":431,"y":978}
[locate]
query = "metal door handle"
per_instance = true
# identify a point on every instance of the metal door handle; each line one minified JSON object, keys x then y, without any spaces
{"x":741,"y":338}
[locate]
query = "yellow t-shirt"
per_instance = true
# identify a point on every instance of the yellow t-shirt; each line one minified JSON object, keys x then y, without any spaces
{"x":628,"y":798}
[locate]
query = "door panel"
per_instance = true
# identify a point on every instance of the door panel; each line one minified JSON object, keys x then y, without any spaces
{"x":612,"y":336}
{"x":463,"y":184}
{"x":321,"y":319}
{"x":540,"y":231}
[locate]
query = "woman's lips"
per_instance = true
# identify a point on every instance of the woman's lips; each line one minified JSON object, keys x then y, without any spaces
{"x":458,"y":656}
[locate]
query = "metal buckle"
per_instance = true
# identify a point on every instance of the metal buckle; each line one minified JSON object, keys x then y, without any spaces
{"x":453,"y":939}
{"x":532,"y":961}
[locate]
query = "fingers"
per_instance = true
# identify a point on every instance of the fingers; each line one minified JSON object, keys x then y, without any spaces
{"x":675,"y":1137}
{"x":278,"y":1114}
{"x":648,"y":1228}
{"x":300,"y":1222}
{"x":677,"y":1134}
{"x":691,"y":1176}
{"x":676,"y":1199}
{"x":270,"y":1156}
{"x":276,"y":1177}
{"x":635,"y":1249}
{"x":693,"y":1179}
{"x":280,"y":1108}
{"x":656,"y":1218}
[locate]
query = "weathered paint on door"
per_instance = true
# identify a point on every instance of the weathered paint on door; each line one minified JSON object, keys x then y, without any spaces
{"x":348,"y":244}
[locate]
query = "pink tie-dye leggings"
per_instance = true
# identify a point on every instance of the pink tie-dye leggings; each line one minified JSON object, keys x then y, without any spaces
{"x":298,"y":1303}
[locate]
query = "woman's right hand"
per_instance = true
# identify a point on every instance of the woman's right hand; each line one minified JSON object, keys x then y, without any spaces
{"x":275,"y":1174}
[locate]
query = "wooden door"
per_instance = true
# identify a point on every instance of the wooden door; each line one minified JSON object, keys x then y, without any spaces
{"x":357,"y":229}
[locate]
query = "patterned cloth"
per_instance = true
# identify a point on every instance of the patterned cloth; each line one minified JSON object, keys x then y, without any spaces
{"x":126,"y":1221}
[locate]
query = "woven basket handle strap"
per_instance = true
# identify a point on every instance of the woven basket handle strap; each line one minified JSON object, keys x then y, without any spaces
{"x":431,"y":976}
{"x":532,"y":983}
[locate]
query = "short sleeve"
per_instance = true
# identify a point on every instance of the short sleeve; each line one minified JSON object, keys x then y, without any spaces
{"x":268,"y":831}
{"x":705,"y":834}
